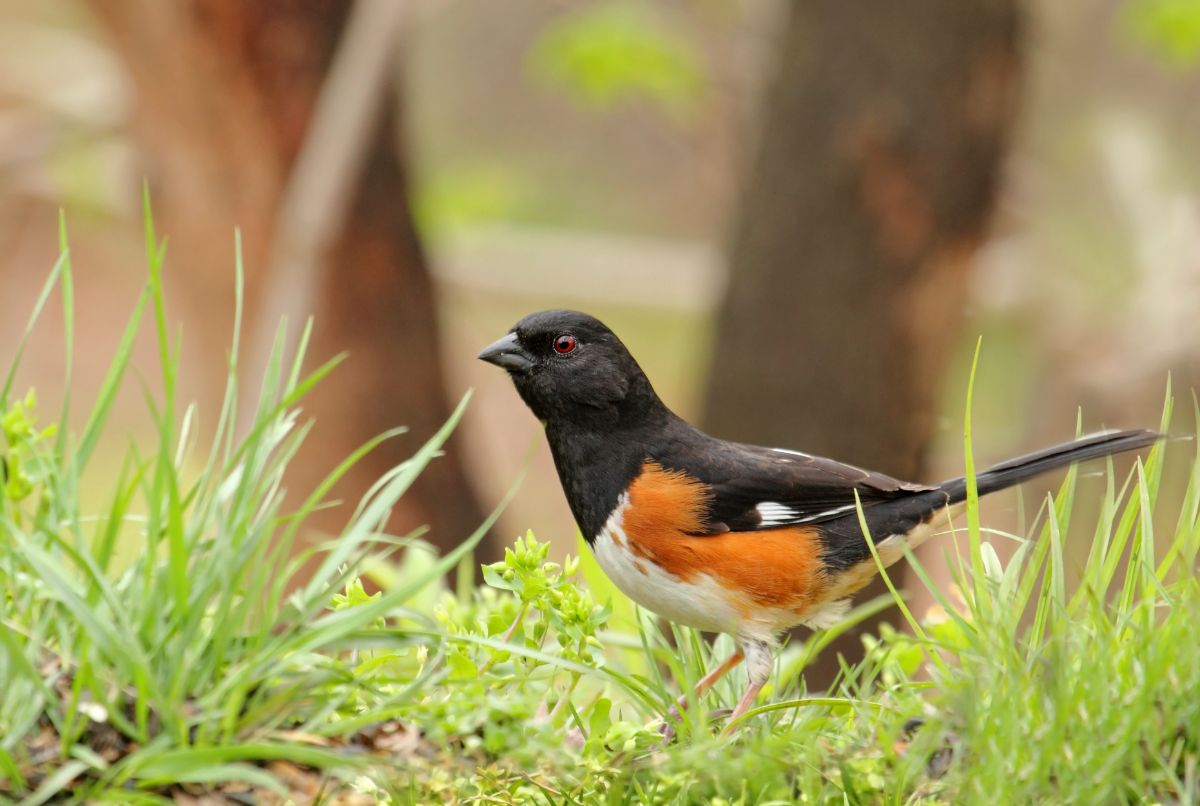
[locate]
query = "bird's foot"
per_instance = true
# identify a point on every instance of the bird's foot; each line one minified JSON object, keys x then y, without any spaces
{"x":667,"y":728}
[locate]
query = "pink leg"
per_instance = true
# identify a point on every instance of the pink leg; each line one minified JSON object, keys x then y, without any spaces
{"x":709,"y":680}
{"x":745,"y":703}
{"x":706,"y":682}
{"x":760,"y":657}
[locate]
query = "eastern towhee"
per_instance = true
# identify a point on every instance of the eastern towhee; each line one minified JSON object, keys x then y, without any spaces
{"x":718,"y":535}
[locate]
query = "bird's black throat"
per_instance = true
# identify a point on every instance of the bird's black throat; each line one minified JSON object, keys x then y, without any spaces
{"x":599,"y":451}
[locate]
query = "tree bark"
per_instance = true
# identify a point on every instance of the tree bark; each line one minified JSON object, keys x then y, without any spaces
{"x":223,"y":97}
{"x":882,"y":137}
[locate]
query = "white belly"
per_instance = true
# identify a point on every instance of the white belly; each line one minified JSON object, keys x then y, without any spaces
{"x":698,"y":602}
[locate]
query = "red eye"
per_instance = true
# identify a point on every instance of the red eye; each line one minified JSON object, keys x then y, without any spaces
{"x":564,"y":344}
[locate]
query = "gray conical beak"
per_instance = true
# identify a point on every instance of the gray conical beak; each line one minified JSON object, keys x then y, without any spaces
{"x":508,"y":354}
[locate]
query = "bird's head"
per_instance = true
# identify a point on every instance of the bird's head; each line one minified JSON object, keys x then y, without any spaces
{"x":568,"y":365}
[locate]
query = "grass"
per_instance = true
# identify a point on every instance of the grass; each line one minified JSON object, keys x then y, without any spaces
{"x":203,"y":664}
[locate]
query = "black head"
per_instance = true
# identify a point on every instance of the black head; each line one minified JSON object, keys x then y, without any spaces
{"x":568,"y":365}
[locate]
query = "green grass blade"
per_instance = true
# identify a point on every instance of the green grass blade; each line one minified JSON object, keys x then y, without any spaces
{"x":978,"y":575}
{"x":111,"y":384}
{"x":379,"y":508}
{"x":68,"y":303}
{"x":34,"y":316}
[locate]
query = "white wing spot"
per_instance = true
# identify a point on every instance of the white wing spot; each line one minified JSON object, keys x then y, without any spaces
{"x":774,"y":514}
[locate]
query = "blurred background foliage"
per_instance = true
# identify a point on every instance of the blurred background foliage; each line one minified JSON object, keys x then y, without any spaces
{"x":538,"y":153}
{"x":1169,"y":27}
{"x":614,"y":53}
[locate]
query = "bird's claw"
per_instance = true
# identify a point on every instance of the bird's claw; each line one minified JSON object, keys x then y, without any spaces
{"x":667,"y":728}
{"x":667,"y":731}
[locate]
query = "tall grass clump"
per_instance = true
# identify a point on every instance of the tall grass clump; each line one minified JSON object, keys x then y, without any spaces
{"x":204,"y":655}
{"x":1047,"y":692}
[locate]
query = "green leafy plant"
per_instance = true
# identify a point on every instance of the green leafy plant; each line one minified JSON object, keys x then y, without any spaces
{"x":21,"y":473}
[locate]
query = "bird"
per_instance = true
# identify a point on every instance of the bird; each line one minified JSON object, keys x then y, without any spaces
{"x":717,"y":535}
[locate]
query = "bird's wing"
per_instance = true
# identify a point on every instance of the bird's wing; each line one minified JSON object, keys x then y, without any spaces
{"x":752,"y":488}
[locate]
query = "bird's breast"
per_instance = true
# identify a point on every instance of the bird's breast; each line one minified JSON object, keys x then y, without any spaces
{"x":739,"y":582}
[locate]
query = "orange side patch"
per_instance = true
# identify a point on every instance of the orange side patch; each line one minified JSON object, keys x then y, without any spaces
{"x":773,"y":568}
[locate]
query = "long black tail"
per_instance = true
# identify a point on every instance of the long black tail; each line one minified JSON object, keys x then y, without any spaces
{"x":1015,"y":471}
{"x":844,"y":544}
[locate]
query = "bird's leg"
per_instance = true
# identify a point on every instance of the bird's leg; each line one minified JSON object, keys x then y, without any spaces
{"x":708,"y":681}
{"x":760,"y":657}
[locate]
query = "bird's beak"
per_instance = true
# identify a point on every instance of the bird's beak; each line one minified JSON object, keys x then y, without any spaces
{"x":508,"y":354}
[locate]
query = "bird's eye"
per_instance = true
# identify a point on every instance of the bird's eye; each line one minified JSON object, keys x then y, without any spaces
{"x":564,"y":344}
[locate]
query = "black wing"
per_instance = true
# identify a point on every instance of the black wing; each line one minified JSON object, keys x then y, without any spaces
{"x":755,"y":488}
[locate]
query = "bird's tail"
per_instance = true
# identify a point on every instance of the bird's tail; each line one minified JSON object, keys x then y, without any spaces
{"x":1015,"y":471}
{"x":911,"y":515}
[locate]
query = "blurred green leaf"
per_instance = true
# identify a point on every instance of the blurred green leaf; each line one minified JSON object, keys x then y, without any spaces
{"x":610,"y":53}
{"x":1171,"y":28}
{"x":462,"y":196}
{"x":461,"y":665}
{"x":416,"y":562}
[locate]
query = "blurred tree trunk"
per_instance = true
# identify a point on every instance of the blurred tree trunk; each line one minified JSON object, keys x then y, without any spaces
{"x":882,"y":137}
{"x":224,"y":95}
